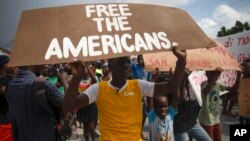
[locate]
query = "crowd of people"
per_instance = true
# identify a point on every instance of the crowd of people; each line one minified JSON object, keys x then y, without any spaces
{"x":118,"y":94}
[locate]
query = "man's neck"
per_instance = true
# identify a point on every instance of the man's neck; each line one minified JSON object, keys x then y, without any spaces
{"x":118,"y":83}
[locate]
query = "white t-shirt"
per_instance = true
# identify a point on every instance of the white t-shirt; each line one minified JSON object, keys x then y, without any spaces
{"x":147,"y":89}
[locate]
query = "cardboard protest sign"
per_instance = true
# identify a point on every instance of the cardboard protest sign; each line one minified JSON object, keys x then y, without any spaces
{"x":197,"y":59}
{"x":244,"y":97}
{"x":238,"y":44}
{"x":195,"y":79}
{"x":101,"y":31}
{"x":227,"y":78}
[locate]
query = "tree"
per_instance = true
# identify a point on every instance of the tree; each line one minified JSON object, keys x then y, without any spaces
{"x":222,"y":32}
{"x":246,"y":26}
{"x":239,"y":27}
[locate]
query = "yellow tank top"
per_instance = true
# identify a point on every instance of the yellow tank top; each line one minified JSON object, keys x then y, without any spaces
{"x":120,"y":113}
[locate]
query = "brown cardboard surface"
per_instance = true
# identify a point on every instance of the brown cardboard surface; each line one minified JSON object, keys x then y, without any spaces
{"x":56,"y":28}
{"x":213,"y":58}
{"x":244,"y":97}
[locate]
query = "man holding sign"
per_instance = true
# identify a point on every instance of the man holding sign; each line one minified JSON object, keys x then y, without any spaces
{"x":119,"y":101}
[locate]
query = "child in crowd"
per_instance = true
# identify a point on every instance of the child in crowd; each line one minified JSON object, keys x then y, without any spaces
{"x":209,"y":115}
{"x":161,"y":118}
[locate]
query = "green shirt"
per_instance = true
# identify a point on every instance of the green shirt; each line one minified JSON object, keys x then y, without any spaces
{"x":210,"y":111}
{"x":53,"y":80}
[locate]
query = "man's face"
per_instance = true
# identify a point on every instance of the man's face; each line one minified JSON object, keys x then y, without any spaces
{"x":140,"y":60}
{"x":45,"y":70}
{"x":105,"y":69}
{"x":120,"y":67}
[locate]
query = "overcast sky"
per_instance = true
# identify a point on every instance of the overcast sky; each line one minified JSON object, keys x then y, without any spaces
{"x":209,"y":14}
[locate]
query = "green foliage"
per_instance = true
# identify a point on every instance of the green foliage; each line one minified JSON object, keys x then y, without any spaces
{"x":239,"y":27}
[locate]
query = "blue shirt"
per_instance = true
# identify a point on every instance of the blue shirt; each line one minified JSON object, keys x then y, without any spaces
{"x":138,"y":72}
{"x":30,"y":121}
{"x":161,"y":128}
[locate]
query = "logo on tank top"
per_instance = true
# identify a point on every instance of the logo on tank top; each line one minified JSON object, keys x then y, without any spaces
{"x":129,"y":94}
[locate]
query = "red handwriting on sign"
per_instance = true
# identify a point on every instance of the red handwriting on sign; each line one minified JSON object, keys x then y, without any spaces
{"x":229,"y":42}
{"x":198,"y":80}
{"x":243,"y":41}
{"x":154,"y":62}
{"x":220,"y":50}
{"x":225,"y":62}
{"x":202,"y":63}
{"x":228,"y":78}
{"x":241,"y":57}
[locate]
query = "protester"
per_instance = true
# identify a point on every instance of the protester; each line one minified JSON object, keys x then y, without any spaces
{"x":106,"y":73}
{"x":161,"y":118}
{"x":4,"y":82}
{"x":230,"y":98}
{"x":53,"y":78}
{"x":209,"y":115}
{"x":185,"y":122}
{"x":119,"y":100}
{"x":45,"y":70}
{"x":138,"y":72}
{"x":96,"y":67}
{"x":158,"y":76}
{"x":245,"y":120}
{"x":87,"y":115}
{"x":29,"y":118}
{"x":5,"y":78}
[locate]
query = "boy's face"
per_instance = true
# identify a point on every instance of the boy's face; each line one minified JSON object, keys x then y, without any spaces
{"x":161,"y":106}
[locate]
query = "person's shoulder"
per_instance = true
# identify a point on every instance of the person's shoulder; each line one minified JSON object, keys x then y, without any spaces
{"x":102,"y":83}
{"x":140,"y":81}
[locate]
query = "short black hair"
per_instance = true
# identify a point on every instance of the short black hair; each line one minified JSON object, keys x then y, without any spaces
{"x":140,"y":55}
{"x":169,"y":98}
{"x":111,"y":60}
